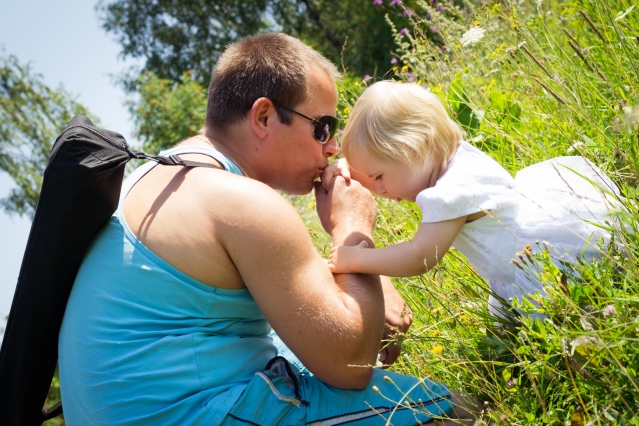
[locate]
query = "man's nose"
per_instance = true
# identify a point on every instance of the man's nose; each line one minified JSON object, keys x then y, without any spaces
{"x":331,"y":148}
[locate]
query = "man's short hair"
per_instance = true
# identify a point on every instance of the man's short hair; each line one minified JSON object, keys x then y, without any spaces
{"x":275,"y":66}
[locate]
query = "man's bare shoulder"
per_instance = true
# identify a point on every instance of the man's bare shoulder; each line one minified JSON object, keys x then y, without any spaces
{"x":230,"y":197}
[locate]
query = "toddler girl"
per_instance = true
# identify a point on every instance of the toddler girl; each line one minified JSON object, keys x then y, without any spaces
{"x":401,"y":144}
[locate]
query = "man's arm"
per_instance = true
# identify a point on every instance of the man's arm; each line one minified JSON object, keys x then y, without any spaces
{"x":333,"y":324}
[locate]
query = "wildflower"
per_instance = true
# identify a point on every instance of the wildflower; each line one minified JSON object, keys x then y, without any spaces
{"x":631,"y":116}
{"x":347,"y":110}
{"x":366,"y":77}
{"x":436,"y":333}
{"x":394,"y":61}
{"x":440,"y":8}
{"x":356,"y":84}
{"x":408,"y":13}
{"x":403,"y":31}
{"x":340,"y":132}
{"x":437,"y":350}
{"x":394,"y":68}
{"x":311,"y":206}
{"x":511,"y":383}
{"x":405,"y":68}
{"x":575,"y":146}
{"x":396,"y":3}
{"x":377,"y":2}
{"x":472,"y":36}
{"x":586,"y":342}
{"x":609,"y":310}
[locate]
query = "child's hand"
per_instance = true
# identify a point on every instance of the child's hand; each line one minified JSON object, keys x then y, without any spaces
{"x":341,"y":260}
{"x":336,"y":168}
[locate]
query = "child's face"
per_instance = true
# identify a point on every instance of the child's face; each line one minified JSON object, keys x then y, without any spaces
{"x":387,"y":179}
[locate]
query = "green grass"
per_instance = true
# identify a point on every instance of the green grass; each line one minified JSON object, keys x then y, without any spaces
{"x":547,"y":80}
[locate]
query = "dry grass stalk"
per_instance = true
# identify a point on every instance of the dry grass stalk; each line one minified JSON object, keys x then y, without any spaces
{"x":552,"y":92}
{"x":530,"y":55}
{"x":592,"y":25}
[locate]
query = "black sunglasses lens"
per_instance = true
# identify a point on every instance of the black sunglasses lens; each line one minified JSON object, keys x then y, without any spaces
{"x":325,"y":129}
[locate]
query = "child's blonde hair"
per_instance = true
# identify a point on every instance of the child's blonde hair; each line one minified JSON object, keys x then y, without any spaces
{"x":403,"y":123}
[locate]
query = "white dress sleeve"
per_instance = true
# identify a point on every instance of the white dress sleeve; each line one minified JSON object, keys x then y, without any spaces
{"x":473,"y":182}
{"x":445,"y":202}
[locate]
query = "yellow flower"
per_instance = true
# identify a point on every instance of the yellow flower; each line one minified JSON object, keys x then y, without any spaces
{"x":437,"y":350}
{"x":395,"y":68}
{"x":357,"y":83}
{"x":423,"y":41}
{"x":477,"y":23}
{"x":311,"y":206}
{"x":313,"y":199}
{"x":458,"y":46}
{"x":347,"y":110}
{"x":405,"y":68}
{"x":436,"y":333}
{"x":515,"y":26}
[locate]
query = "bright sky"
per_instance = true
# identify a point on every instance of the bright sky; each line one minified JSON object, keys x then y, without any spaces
{"x":63,"y":41}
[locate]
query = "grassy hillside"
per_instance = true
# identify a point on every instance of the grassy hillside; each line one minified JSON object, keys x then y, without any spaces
{"x":543,"y":79}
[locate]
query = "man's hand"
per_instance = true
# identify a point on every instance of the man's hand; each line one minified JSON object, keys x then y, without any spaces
{"x":398,"y":319}
{"x":347,"y":211}
{"x":336,"y":168}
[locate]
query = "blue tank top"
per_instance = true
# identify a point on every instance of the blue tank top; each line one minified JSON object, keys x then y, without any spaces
{"x":143,"y":343}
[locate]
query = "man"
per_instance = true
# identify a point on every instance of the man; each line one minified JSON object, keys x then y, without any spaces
{"x":169,"y":318}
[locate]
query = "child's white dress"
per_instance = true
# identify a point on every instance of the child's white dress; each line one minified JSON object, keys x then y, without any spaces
{"x":546,"y":202}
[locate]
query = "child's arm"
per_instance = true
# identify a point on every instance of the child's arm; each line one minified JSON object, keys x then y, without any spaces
{"x":411,"y":258}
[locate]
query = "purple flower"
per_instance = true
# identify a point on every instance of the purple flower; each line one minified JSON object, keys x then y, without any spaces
{"x":403,"y":31}
{"x":377,"y":2}
{"x":609,"y":310}
{"x":511,"y":383}
{"x":440,"y":8}
{"x":367,"y":77}
{"x":410,"y":76}
{"x":407,"y":13}
{"x":396,"y":3}
{"x":433,"y":30}
{"x":394,"y":61}
{"x":340,"y":132}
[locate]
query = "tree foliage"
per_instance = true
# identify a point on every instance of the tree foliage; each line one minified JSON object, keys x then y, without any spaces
{"x":31,"y":117}
{"x":175,"y":36}
{"x":167,"y":111}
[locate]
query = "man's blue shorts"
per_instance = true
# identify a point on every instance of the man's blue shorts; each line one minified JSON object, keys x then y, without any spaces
{"x":285,"y":393}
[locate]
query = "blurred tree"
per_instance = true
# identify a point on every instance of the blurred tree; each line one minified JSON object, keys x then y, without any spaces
{"x":166,"y":111}
{"x":31,"y":117}
{"x":180,"y":35}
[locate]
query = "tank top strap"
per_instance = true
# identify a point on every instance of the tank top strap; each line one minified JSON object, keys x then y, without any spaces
{"x":228,"y":164}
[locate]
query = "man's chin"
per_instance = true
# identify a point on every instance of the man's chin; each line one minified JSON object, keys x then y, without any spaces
{"x":299,"y":190}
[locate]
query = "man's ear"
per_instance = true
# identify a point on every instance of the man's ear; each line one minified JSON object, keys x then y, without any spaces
{"x":263,"y":115}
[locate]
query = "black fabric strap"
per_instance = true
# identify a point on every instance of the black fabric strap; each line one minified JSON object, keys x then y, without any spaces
{"x":171,"y":160}
{"x":50,"y":413}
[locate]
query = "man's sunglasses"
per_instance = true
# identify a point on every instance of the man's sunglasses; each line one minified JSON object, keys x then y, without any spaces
{"x":325,"y":126}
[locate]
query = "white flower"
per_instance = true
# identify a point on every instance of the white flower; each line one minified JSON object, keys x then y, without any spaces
{"x":575,"y":146}
{"x":587,"y":342}
{"x":473,"y":35}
